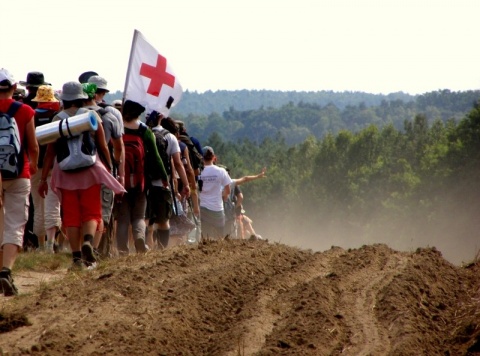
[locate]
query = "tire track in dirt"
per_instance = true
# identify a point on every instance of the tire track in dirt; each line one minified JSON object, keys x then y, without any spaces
{"x":262,"y":324}
{"x":360,"y":289}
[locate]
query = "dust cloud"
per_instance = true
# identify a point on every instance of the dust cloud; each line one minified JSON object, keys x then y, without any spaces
{"x":452,"y":228}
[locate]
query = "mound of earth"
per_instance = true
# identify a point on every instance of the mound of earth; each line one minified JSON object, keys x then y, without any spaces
{"x":236,"y":297}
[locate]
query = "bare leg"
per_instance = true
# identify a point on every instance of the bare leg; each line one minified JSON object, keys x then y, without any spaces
{"x":98,"y":234}
{"x":73,"y":234}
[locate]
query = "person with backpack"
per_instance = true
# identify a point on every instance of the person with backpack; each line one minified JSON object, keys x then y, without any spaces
{"x":77,"y":176}
{"x":113,"y":137}
{"x":162,"y":211}
{"x":195,"y":155}
{"x":46,"y":219}
{"x":143,"y":164}
{"x":18,"y":161}
{"x":32,"y":83}
{"x":100,"y":93}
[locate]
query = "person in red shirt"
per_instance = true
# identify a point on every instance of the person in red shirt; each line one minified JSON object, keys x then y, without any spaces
{"x":15,"y":191}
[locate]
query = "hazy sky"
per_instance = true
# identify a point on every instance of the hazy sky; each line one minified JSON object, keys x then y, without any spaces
{"x":375,"y":46}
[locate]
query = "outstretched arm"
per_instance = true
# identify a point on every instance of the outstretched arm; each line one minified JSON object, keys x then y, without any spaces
{"x":246,"y":179}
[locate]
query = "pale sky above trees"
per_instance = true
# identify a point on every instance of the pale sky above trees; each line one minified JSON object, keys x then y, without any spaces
{"x":375,"y":46}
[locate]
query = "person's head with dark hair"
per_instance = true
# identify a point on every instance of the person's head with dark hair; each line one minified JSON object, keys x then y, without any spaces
{"x":169,"y":124}
{"x":208,"y":154}
{"x":182,"y":130}
{"x":153,"y":119}
{"x":132,"y":110}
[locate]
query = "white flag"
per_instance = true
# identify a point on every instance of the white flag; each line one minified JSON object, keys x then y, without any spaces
{"x":150,"y":79}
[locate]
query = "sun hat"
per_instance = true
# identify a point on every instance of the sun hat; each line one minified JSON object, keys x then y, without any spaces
{"x":117,"y":104}
{"x":45,"y":94}
{"x":83,"y":78}
{"x":34,"y":79}
{"x":99,"y":81}
{"x":6,"y":79}
{"x":72,"y":91}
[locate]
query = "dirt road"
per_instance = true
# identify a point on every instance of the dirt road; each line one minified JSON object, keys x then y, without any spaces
{"x":251,"y":297}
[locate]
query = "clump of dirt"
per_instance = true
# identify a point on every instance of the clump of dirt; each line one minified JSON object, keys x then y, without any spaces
{"x":236,"y":297}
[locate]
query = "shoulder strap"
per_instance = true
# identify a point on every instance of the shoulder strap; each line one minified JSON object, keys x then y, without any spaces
{"x":101,"y":111}
{"x":63,"y":115}
{"x":12,"y":110}
{"x":142,"y":128}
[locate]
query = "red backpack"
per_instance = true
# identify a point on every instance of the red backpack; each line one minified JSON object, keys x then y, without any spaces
{"x":134,"y":158}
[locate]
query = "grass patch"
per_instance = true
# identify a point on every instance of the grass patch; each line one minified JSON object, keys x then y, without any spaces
{"x":42,"y":262}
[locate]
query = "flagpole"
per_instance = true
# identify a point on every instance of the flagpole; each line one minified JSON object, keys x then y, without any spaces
{"x":134,"y":41}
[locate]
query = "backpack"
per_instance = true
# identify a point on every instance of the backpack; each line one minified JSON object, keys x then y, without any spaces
{"x":74,"y":153}
{"x":162,"y":145}
{"x":11,"y":153}
{"x":196,"y":159}
{"x":134,"y":158}
{"x":42,"y":117}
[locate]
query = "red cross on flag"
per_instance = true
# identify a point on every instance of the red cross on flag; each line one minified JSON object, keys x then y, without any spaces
{"x":150,"y":79}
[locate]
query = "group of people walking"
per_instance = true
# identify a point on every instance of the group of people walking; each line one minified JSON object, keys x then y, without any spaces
{"x":111,"y":190}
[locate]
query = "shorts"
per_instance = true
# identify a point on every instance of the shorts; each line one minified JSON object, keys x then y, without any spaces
{"x":159,"y":205}
{"x":81,"y":205}
{"x":14,"y":214}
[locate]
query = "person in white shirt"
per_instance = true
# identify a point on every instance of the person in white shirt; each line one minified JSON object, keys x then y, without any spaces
{"x":214,"y":186}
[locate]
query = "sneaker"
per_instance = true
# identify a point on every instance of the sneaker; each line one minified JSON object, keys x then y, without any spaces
{"x":49,"y":248}
{"x":91,"y":265}
{"x":76,"y":266}
{"x":87,"y":253}
{"x":140,"y":245}
{"x":6,"y":285}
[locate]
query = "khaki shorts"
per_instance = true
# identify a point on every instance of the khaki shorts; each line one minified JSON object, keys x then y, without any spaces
{"x":16,"y":201}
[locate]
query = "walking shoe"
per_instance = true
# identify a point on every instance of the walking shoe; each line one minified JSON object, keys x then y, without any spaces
{"x":140,"y":245}
{"x":76,"y":266}
{"x":91,"y":265}
{"x":49,"y":247}
{"x":6,"y":284}
{"x":87,"y":253}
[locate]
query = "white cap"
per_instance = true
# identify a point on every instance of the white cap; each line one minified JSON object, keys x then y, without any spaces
{"x":6,"y":79}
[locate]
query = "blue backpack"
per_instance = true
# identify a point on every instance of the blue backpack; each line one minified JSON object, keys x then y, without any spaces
{"x":11,"y":153}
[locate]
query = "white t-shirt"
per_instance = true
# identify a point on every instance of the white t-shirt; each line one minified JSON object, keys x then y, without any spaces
{"x":214,"y":179}
{"x":118,"y":115}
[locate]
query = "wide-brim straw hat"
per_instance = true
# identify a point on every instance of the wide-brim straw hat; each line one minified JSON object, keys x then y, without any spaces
{"x":45,"y":94}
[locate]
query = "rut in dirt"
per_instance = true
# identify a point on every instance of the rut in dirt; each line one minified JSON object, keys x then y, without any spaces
{"x":236,"y":297}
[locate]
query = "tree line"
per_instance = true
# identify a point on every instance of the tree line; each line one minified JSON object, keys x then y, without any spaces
{"x":419,"y":183}
{"x":403,"y":169}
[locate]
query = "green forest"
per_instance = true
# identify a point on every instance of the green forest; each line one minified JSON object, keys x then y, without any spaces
{"x":405,"y":173}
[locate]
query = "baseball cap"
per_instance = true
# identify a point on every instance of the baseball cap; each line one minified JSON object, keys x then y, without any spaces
{"x":6,"y":79}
